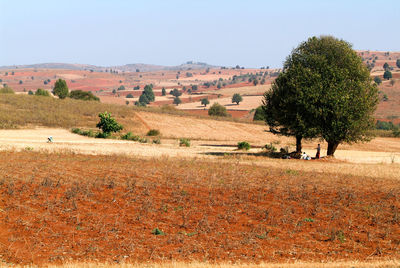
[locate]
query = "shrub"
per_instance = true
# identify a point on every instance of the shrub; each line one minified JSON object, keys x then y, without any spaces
{"x":217,"y":110}
{"x":153,"y":132}
{"x":163,"y":92}
{"x":83,"y":95}
{"x":121,"y":87}
{"x":378,"y":80}
{"x":42,"y":92}
{"x":130,"y":136}
{"x":243,"y":145}
{"x":30,"y":92}
{"x":157,"y":141}
{"x":76,"y":130}
{"x":6,"y":90}
{"x":129,"y":96}
{"x":184,"y":142}
{"x":102,"y":135}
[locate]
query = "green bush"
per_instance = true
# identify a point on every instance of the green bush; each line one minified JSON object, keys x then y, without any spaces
{"x":107,"y":124}
{"x":184,"y":142}
{"x":129,"y":96}
{"x":153,"y":132}
{"x":83,"y":95}
{"x":42,"y":92}
{"x":76,"y":131}
{"x":217,"y":110}
{"x":130,"y":136}
{"x":243,"y":145}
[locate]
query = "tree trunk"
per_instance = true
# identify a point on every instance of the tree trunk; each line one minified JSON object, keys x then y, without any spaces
{"x":298,"y":144}
{"x":332,"y":146}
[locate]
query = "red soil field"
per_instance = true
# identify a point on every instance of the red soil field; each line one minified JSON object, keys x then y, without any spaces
{"x":69,"y":207}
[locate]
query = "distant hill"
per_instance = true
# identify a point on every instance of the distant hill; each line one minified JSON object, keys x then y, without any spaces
{"x":190,"y":65}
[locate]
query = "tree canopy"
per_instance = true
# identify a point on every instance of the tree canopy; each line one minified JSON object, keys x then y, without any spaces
{"x":108,"y":124}
{"x":236,"y":98}
{"x":323,"y":91}
{"x":205,"y":102}
{"x":60,"y":89}
{"x":217,"y":110}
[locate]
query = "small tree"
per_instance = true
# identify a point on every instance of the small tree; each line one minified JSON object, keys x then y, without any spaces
{"x":398,"y":63}
{"x":148,"y":91}
{"x":129,"y":96}
{"x":392,"y":82}
{"x":176,"y":93}
{"x":387,"y":75}
{"x":205,"y":102}
{"x":127,"y":102}
{"x":108,"y":124}
{"x":143,"y":99}
{"x":177,"y":101}
{"x":378,"y":80}
{"x":163,"y":91}
{"x":386,"y":66}
{"x":30,"y":92}
{"x":60,"y":89}
{"x":21,"y":82}
{"x":255,"y":82}
{"x":236,"y":98}
{"x":217,"y":110}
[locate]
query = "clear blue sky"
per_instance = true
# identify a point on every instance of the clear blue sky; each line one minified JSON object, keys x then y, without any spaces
{"x":251,"y":33}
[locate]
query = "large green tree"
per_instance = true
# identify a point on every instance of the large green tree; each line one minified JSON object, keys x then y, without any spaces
{"x":323,"y":91}
{"x":60,"y":89}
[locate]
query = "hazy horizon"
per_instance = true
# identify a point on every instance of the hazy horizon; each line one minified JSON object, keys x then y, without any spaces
{"x":254,"y":33}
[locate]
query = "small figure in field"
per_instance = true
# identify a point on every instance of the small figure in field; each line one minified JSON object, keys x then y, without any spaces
{"x":317,"y":156}
{"x":304,"y":156}
{"x":50,"y":139}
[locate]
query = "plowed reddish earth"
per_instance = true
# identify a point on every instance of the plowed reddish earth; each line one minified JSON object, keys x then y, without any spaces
{"x":59,"y":207}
